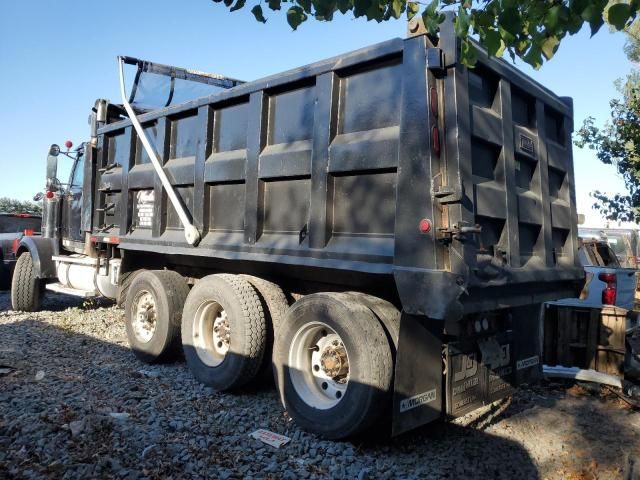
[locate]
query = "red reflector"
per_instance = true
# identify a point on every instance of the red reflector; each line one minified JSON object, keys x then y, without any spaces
{"x":424,"y":225}
{"x":50,"y":195}
{"x":94,"y":239}
{"x":433,"y":100}
{"x":112,"y":239}
{"x":23,"y":215}
{"x":28,"y":232}
{"x":435,"y":140}
{"x":608,"y":277}
{"x":609,"y":296}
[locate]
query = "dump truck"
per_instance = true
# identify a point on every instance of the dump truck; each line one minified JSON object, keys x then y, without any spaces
{"x":378,"y":229}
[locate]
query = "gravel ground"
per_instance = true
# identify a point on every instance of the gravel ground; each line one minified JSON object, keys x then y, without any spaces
{"x":75,"y":403}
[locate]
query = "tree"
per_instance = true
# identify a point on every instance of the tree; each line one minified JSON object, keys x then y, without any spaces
{"x":617,"y":143}
{"x":11,"y":205}
{"x":529,"y":29}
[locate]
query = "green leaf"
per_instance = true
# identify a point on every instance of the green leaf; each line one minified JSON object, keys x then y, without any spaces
{"x":432,"y":8}
{"x":360,"y":7}
{"x":534,"y":57}
{"x":397,"y":6}
{"x":257,"y":12}
{"x":462,"y":23}
{"x":550,"y":46}
{"x":509,"y":19}
{"x":239,"y":4}
{"x":375,"y":11}
{"x":430,"y":23}
{"x":274,"y":4}
{"x":618,"y":15}
{"x":344,"y":5}
{"x":494,"y":43}
{"x":508,"y":37}
{"x":468,"y":55}
{"x":593,"y":14}
{"x":295,"y":16}
{"x":306,"y":5}
{"x":412,"y":10}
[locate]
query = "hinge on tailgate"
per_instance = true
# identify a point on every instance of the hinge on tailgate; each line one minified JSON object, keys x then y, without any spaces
{"x":458,"y":232}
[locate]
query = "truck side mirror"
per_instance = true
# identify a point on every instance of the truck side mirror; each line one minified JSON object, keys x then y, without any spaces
{"x":52,"y":166}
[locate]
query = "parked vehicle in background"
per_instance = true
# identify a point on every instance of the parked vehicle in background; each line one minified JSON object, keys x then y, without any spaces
{"x":607,"y":281}
{"x":13,"y":226}
{"x":418,"y":212}
{"x":623,"y":241}
{"x":599,"y":330}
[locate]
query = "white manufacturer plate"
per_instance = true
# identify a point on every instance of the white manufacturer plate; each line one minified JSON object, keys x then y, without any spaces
{"x":417,"y":400}
{"x":527,"y":362}
{"x":270,"y":438}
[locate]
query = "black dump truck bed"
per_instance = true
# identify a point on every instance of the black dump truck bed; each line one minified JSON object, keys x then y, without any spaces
{"x":371,"y":162}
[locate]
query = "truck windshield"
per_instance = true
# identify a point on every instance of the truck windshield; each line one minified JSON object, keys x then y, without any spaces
{"x":77,"y":178}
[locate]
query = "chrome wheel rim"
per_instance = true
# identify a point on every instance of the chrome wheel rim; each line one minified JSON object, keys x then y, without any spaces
{"x":144,"y":315}
{"x":319,"y":365}
{"x":211,"y":333}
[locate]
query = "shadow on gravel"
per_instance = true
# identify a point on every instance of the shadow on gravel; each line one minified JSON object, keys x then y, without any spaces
{"x":99,"y":412}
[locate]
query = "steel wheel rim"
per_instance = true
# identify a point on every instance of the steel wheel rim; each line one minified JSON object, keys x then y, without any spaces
{"x":144,"y":315}
{"x":211,"y":333}
{"x":319,"y":365}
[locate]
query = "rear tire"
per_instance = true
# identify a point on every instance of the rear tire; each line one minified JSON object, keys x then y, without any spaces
{"x":275,"y":306}
{"x":153,"y":312}
{"x":333,"y":364}
{"x":224,"y":332}
{"x":26,"y":290}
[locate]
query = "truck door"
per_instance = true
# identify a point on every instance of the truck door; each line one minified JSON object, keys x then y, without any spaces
{"x":71,"y":207}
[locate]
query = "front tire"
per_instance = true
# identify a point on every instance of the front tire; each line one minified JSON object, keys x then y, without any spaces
{"x":334,"y":366}
{"x":153,"y":312}
{"x":26,"y":290}
{"x":224,"y":332}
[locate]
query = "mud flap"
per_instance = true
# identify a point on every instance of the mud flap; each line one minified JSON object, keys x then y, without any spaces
{"x":417,"y":397}
{"x":528,"y":335}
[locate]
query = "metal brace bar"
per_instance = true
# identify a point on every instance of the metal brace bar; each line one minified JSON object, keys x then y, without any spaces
{"x":191,"y":233}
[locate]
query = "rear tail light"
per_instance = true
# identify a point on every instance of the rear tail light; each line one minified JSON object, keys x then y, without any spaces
{"x":435,"y":141}
{"x":49,"y":194}
{"x":609,"y":292}
{"x":433,"y":101}
{"x":28,"y":232}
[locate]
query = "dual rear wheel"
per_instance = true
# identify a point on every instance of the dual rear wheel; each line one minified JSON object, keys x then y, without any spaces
{"x":332,"y":355}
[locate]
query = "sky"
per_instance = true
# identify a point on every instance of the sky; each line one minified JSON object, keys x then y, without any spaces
{"x":57,"y":57}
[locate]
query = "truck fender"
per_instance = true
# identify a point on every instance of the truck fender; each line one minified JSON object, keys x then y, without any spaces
{"x":42,"y":251}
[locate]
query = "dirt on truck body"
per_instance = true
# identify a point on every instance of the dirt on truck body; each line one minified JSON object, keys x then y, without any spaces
{"x":380,"y":228}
